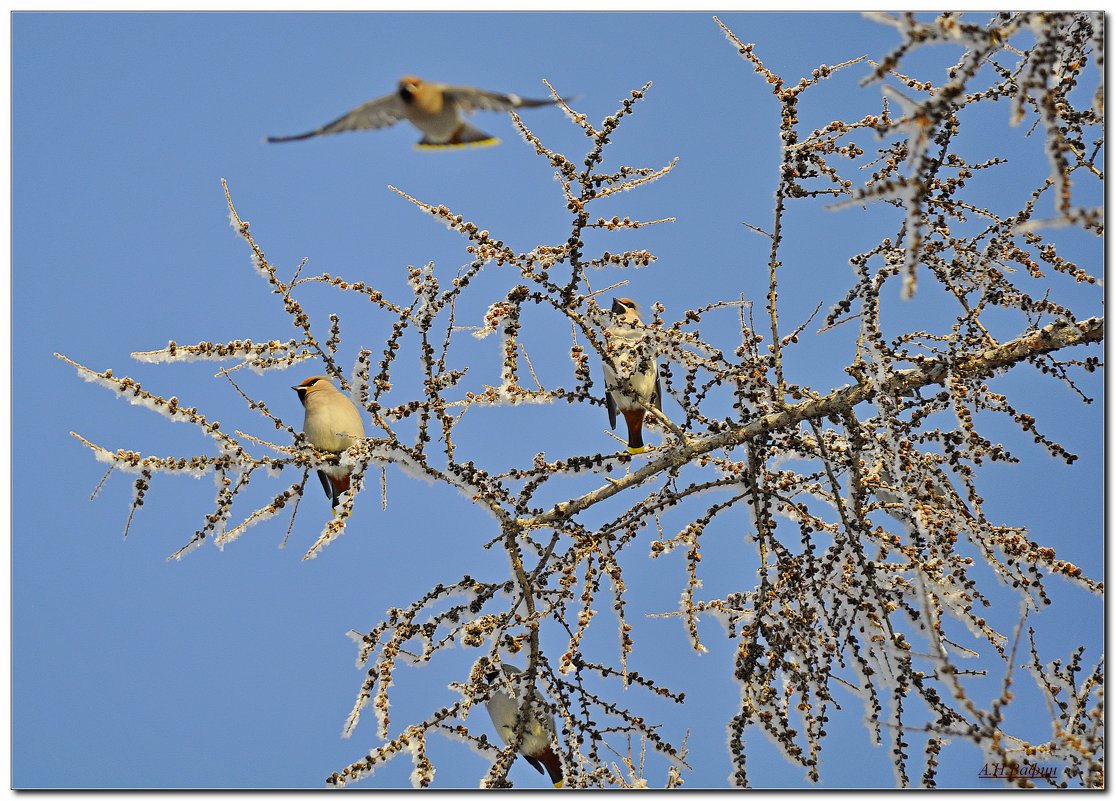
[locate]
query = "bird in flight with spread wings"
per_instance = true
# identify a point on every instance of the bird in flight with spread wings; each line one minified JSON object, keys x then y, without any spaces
{"x":436,"y":109}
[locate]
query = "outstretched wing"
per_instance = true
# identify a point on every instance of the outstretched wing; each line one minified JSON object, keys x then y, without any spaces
{"x":378,"y":113}
{"x":469,"y":98}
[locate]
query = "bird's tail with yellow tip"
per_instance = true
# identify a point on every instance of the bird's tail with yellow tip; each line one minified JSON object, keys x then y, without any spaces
{"x":553,"y":766}
{"x":465,"y":136}
{"x":634,"y":419}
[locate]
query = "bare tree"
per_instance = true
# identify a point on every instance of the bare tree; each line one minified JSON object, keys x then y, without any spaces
{"x":868,"y":545}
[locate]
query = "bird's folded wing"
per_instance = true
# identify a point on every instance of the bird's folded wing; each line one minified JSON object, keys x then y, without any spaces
{"x":378,"y":113}
{"x":611,"y":404}
{"x":534,"y":763}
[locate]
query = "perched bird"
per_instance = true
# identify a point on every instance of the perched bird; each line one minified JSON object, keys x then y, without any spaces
{"x":537,"y":744}
{"x":434,"y":108}
{"x":333,"y":425}
{"x":633,"y":375}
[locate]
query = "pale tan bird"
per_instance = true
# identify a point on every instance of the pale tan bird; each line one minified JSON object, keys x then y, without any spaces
{"x":633,"y":375}
{"x":436,"y":109}
{"x":537,"y":743}
{"x":332,"y":425}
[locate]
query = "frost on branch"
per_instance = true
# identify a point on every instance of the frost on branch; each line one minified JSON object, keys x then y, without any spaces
{"x":866,"y":555}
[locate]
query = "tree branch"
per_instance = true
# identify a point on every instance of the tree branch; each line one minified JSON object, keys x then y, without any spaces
{"x":932,"y":371}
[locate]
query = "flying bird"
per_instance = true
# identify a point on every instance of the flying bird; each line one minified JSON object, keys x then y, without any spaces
{"x":436,"y":109}
{"x":633,"y":375}
{"x":537,"y":743}
{"x":332,"y":425}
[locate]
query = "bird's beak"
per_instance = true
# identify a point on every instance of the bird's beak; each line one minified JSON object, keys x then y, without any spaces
{"x":490,"y":676}
{"x":617,"y":307}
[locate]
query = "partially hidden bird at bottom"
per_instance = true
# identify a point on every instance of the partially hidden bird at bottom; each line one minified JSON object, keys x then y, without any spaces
{"x":537,"y":743}
{"x":633,"y":375}
{"x":436,"y":109}
{"x":332,"y":425}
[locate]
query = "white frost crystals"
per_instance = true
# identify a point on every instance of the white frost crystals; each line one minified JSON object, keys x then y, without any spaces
{"x":257,"y":356}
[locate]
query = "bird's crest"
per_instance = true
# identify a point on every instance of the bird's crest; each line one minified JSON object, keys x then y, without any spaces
{"x":311,"y":384}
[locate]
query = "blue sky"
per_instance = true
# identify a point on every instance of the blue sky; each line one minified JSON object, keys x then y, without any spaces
{"x":232,"y":669}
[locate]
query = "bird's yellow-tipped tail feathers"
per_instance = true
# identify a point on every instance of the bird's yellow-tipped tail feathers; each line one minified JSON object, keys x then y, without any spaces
{"x":466,"y":135}
{"x":424,"y":145}
{"x":634,"y":419}
{"x":549,"y":760}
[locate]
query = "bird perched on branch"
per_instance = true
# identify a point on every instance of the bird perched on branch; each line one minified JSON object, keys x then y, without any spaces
{"x":434,"y":108}
{"x":332,"y":425}
{"x":632,"y":379}
{"x":537,"y":743}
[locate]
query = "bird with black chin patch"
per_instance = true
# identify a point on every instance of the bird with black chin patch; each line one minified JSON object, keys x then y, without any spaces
{"x":332,"y":425}
{"x":631,"y":374}
{"x":436,"y":109}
